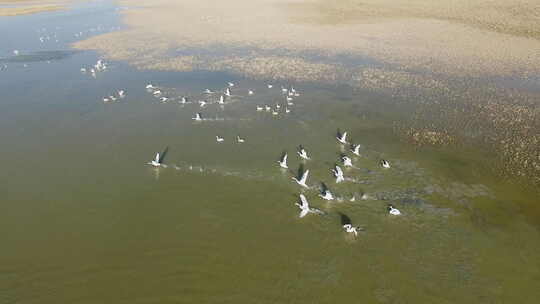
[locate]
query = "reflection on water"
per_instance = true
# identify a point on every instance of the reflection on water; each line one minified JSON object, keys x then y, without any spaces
{"x":85,"y":219}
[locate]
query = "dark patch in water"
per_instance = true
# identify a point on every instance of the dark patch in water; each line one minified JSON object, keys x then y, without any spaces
{"x":39,"y":56}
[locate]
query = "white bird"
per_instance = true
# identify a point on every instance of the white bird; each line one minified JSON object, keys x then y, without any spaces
{"x":156,"y":92}
{"x":327,"y":195}
{"x":183,"y":100}
{"x":150,"y":86}
{"x":16,"y":52}
{"x":289,"y":98}
{"x":198,"y":117}
{"x":230,"y":84}
{"x":250,"y":92}
{"x":83,"y":70}
{"x":121,"y":93}
{"x":304,"y":207}
{"x":278,"y":106}
{"x":302,"y":180}
{"x":283,"y":161}
{"x":202,"y":103}
{"x":338,"y":174}
{"x":287,"y":110}
{"x":156,"y":162}
{"x":270,"y":86}
{"x":275,"y":112}
{"x":267,"y":108}
{"x":219,"y":139}
{"x":303,"y":153}
{"x":105,"y":99}
{"x":351,"y":229}
{"x":283,"y":90}
{"x":227,"y":92}
{"x":393,"y":211}
{"x":164,"y":99}
{"x":342,"y":138}
{"x":353,"y":198}
{"x":259,"y":108}
{"x":221,"y":100}
{"x":385,"y":164}
{"x":112,"y":98}
{"x":239,"y":139}
{"x":347,"y":161}
{"x":355,"y":149}
{"x":208,"y":91}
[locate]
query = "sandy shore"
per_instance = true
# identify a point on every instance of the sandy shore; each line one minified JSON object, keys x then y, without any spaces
{"x":26,"y":7}
{"x":476,"y":37}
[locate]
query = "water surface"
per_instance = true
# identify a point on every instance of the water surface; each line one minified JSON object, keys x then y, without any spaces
{"x":85,"y":220}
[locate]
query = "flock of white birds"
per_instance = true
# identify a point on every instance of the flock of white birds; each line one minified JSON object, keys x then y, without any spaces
{"x":222,"y":97}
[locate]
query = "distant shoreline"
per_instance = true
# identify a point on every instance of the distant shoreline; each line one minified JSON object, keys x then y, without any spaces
{"x":27,"y":7}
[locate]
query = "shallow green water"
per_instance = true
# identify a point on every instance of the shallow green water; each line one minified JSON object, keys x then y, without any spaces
{"x":84,"y":220}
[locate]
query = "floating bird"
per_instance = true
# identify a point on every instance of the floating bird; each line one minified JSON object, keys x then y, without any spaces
{"x":304,"y":207}
{"x":283,"y":89}
{"x":230,"y":84}
{"x":219,"y":139}
{"x":289,"y":98}
{"x":150,"y":86}
{"x":338,"y":174}
{"x":278,"y":106}
{"x":342,"y":137}
{"x":198,"y":117}
{"x":270,"y":86}
{"x":16,"y":52}
{"x":239,"y":139}
{"x":267,"y":108}
{"x":112,"y":98}
{"x":385,"y":164}
{"x":202,"y":103}
{"x":83,"y":70}
{"x":351,"y":229}
{"x":105,"y":99}
{"x":303,"y":177}
{"x":274,"y":112}
{"x":156,"y":162}
{"x":355,"y":149}
{"x":346,"y":223}
{"x":250,"y":92}
{"x":156,"y":92}
{"x":208,"y":91}
{"x":302,"y":153}
{"x":287,"y":110}
{"x":347,"y":161}
{"x":121,"y":93}
{"x":183,"y":100}
{"x":393,"y":211}
{"x":283,"y":161}
{"x":164,"y":99}
{"x":259,"y":108}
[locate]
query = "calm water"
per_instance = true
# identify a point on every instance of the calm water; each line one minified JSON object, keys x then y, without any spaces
{"x":84,"y":220}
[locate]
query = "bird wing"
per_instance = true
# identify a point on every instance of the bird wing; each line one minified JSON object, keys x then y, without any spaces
{"x":344,"y":136}
{"x":157,"y":158}
{"x":305,"y":176}
{"x":304,"y":201}
{"x":303,"y":213}
{"x":284,"y":159}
